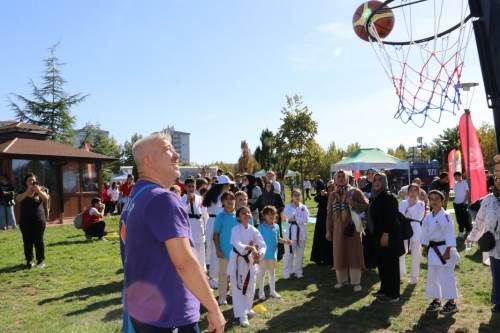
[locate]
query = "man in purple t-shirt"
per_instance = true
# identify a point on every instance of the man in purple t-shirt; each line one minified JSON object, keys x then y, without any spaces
{"x":164,"y":284}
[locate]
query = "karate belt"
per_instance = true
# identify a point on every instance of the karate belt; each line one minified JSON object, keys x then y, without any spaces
{"x":194,"y":216}
{"x":212,"y":215}
{"x":290,"y":233}
{"x":247,"y":278}
{"x":434,"y":245}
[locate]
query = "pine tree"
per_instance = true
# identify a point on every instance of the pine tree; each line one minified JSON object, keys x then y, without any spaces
{"x":51,"y":104}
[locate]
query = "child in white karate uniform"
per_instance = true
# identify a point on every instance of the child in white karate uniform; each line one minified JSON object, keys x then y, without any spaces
{"x":248,"y":247}
{"x":438,"y":238}
{"x":270,"y":231}
{"x":414,"y":210}
{"x":297,"y":216}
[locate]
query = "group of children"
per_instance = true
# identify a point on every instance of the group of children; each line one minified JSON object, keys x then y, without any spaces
{"x":239,"y":253}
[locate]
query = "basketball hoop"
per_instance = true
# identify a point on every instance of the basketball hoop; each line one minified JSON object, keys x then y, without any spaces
{"x":424,"y":60}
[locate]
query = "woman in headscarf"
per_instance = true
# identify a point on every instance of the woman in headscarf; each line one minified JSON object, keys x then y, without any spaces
{"x":347,"y":248}
{"x":321,"y":252}
{"x":382,"y":221}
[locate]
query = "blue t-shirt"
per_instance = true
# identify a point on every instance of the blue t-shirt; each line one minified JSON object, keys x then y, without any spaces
{"x":271,"y":234}
{"x":223,"y":225}
{"x":154,"y":291}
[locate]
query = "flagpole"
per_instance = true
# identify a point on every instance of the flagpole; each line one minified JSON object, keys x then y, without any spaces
{"x":467,"y":117}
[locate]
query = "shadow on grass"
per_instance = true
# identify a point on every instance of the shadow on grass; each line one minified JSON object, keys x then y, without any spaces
{"x":113,"y":315}
{"x":84,"y":293}
{"x":96,"y":306}
{"x":432,"y":322}
{"x":492,"y":326}
{"x":12,"y":269}
{"x":63,"y":243}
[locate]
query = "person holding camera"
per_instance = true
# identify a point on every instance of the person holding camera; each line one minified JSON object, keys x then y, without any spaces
{"x":7,"y":217}
{"x":93,"y":225}
{"x":33,"y":219}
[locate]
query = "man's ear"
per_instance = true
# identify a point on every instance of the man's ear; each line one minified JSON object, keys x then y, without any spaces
{"x":147,"y":161}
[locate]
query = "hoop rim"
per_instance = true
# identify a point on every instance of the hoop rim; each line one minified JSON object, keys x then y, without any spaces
{"x":403,"y":43}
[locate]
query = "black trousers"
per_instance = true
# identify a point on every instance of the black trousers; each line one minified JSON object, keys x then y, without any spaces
{"x":145,"y":328}
{"x":388,"y":271}
{"x":463,"y":218}
{"x":96,"y":230}
{"x":32,"y":232}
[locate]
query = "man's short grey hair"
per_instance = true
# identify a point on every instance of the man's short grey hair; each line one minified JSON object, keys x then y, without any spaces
{"x":163,"y":135}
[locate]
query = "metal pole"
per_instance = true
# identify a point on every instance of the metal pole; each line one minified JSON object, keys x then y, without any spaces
{"x":467,"y":117}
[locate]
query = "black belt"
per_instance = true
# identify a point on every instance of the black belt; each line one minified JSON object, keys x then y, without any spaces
{"x":290,"y":233}
{"x":194,"y":216}
{"x":247,"y":278}
{"x":212,"y":215}
{"x":434,"y":245}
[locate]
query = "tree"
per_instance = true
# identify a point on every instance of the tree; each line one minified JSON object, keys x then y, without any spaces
{"x":264,"y":153}
{"x":314,"y":157}
{"x":351,"y":148}
{"x":440,"y":146}
{"x":108,"y":146}
{"x":399,"y":152}
{"x":126,"y":157}
{"x":295,"y":134}
{"x":333,"y":154}
{"x":51,"y":105}
{"x":487,"y":140}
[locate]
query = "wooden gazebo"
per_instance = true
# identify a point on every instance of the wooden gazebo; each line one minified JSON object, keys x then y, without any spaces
{"x":72,"y":176}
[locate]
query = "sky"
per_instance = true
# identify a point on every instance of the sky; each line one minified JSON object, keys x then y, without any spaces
{"x":219,"y":70}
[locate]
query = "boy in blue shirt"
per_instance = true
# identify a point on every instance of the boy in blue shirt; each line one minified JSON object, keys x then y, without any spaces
{"x":271,"y":233}
{"x":223,"y":225}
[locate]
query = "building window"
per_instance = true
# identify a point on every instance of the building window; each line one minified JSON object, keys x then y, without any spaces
{"x":90,"y":182}
{"x":71,"y":177}
{"x":41,"y":168}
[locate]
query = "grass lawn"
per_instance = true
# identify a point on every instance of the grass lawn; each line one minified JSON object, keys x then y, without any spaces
{"x":79,"y":291}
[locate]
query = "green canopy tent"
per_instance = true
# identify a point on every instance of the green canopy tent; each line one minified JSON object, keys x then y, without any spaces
{"x":370,"y":158}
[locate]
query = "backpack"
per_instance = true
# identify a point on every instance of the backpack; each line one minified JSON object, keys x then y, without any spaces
{"x":404,"y":226}
{"x":78,"y":221}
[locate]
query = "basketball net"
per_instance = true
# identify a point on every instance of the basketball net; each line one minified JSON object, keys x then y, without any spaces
{"x":425,"y":75}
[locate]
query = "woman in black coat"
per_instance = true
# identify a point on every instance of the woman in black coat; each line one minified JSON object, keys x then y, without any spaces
{"x":321,"y":252}
{"x":383,"y":221}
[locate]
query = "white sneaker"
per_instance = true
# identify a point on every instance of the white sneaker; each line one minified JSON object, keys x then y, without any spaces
{"x":412,"y":280}
{"x":339,"y":285}
{"x":262,"y":296}
{"x":461,"y":235}
{"x":212,"y":283}
{"x":357,"y":288}
{"x":244,"y":321}
{"x":299,"y":276}
{"x":286,"y":277}
{"x":275,"y":295}
{"x":250,"y":314}
{"x":222,"y":301}
{"x":41,"y":265}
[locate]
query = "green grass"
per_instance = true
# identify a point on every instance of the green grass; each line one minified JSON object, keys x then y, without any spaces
{"x":79,"y":291}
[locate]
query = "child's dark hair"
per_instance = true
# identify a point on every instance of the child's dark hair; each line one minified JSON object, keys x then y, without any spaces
{"x":436,"y":192}
{"x":227,"y":196}
{"x":189,"y":181}
{"x":269,"y":210}
{"x":238,"y":211}
{"x":95,"y":201}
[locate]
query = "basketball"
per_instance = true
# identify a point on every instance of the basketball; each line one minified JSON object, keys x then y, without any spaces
{"x":382,"y":21}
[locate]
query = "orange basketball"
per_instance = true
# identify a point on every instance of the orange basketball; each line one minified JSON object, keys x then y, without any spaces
{"x":382,"y":21}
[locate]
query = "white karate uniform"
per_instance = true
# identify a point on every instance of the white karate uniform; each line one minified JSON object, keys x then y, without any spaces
{"x":415,"y":212}
{"x":441,"y":283}
{"x":240,"y":239}
{"x":211,"y":253}
{"x":198,"y":226}
{"x":293,"y":262}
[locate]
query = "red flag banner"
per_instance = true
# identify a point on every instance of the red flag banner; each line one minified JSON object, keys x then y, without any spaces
{"x":476,"y":172}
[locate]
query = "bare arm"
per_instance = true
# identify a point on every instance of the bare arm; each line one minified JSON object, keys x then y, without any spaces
{"x":42,"y":194}
{"x":22,"y":196}
{"x":191,"y":274}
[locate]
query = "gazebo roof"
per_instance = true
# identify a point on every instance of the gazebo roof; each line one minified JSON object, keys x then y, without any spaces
{"x":17,"y":126}
{"x":19,"y":147}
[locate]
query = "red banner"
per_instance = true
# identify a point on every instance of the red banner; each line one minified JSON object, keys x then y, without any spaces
{"x":476,"y":173}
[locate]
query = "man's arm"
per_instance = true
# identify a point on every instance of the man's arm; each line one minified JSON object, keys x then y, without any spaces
{"x":191,"y":274}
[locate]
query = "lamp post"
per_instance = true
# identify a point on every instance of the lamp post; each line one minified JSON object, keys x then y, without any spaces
{"x":443,"y":153}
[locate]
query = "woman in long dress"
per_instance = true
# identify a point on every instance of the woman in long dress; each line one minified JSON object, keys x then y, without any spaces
{"x":321,"y":252}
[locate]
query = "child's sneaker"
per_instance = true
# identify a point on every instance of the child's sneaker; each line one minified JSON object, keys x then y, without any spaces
{"x":434,"y":306}
{"x":449,"y":308}
{"x":222,"y":301}
{"x":250,"y":314}
{"x":212,"y":283}
{"x":357,"y":288}
{"x":244,"y":321}
{"x":262,"y":296}
{"x":275,"y":295}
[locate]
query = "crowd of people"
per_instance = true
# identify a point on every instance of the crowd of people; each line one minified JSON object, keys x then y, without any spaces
{"x":240,"y":228}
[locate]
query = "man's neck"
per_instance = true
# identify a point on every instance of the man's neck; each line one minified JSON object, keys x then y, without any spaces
{"x":155,"y":180}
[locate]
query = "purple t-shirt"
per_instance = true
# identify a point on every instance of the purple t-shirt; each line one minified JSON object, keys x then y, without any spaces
{"x":155,"y":293}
